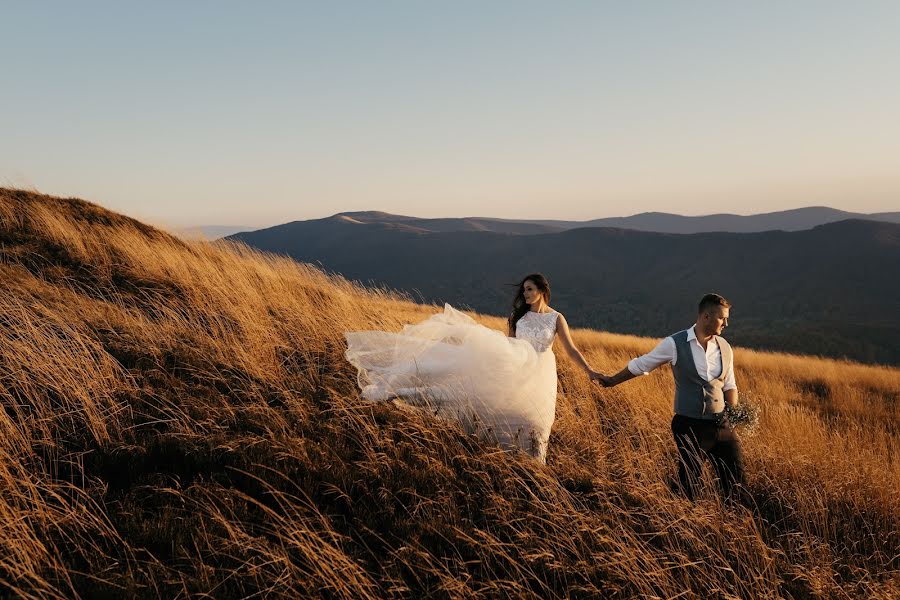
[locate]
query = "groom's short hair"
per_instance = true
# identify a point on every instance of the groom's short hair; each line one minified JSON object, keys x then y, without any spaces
{"x":710,"y":301}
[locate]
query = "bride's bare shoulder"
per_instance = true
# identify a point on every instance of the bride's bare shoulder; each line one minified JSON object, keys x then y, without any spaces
{"x":561,"y":320}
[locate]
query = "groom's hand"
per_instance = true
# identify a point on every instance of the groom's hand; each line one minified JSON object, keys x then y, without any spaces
{"x":604,"y":380}
{"x":600,"y":378}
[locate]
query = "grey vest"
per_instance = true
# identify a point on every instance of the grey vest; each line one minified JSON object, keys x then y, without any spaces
{"x":694,"y":396}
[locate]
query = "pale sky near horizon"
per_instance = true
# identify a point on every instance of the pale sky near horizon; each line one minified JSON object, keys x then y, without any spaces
{"x":203,"y":113}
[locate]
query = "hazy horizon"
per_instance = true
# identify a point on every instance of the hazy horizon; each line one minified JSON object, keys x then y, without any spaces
{"x":236,"y":115}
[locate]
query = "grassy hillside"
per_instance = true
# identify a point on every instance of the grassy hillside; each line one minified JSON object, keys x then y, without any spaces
{"x":179,"y":421}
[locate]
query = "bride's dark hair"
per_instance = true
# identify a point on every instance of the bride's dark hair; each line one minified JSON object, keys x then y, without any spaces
{"x":520,"y":307}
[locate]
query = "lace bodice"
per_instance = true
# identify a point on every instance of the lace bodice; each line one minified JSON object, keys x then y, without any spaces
{"x":538,"y":329}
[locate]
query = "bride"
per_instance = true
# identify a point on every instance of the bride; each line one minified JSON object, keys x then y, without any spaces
{"x":501,"y":388}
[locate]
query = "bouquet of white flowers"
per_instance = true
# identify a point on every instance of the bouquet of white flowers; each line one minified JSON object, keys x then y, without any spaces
{"x":745,"y":416}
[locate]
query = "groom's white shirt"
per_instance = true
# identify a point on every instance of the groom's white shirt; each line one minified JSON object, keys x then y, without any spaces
{"x":708,"y":362}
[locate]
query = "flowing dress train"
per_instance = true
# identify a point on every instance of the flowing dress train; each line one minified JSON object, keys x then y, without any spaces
{"x":499,"y":388}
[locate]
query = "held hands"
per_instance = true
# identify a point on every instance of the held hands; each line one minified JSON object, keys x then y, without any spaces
{"x":597,"y":377}
{"x":612,"y":380}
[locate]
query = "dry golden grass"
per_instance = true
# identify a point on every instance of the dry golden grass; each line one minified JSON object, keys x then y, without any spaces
{"x":179,"y":421}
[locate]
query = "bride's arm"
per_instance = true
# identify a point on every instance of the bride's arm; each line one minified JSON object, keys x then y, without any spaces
{"x":562,"y":328}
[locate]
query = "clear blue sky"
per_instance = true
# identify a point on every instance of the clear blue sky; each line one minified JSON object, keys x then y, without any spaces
{"x":189,"y":113}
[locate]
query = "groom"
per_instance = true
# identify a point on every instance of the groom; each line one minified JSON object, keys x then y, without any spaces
{"x":703,"y":366}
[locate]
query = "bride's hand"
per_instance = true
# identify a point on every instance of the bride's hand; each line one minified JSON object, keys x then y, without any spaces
{"x":603,"y":380}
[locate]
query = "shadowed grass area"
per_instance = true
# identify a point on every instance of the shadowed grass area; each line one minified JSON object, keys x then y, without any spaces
{"x":179,"y":421}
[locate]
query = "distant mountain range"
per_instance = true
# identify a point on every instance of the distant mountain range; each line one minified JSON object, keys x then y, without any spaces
{"x":831,"y":290}
{"x":787,"y":220}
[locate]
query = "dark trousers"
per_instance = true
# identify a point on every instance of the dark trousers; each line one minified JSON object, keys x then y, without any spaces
{"x":697,"y":440}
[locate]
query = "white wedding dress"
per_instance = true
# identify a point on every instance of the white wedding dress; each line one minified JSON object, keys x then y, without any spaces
{"x":499,"y":388}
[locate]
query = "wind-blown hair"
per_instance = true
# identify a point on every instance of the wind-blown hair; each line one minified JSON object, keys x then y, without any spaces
{"x":520,"y":307}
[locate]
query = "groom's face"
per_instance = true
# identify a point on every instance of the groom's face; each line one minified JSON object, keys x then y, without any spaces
{"x":715,"y":320}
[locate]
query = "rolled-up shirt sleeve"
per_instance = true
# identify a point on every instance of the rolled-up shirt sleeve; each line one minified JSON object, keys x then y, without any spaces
{"x":662,"y":354}
{"x":730,"y":383}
